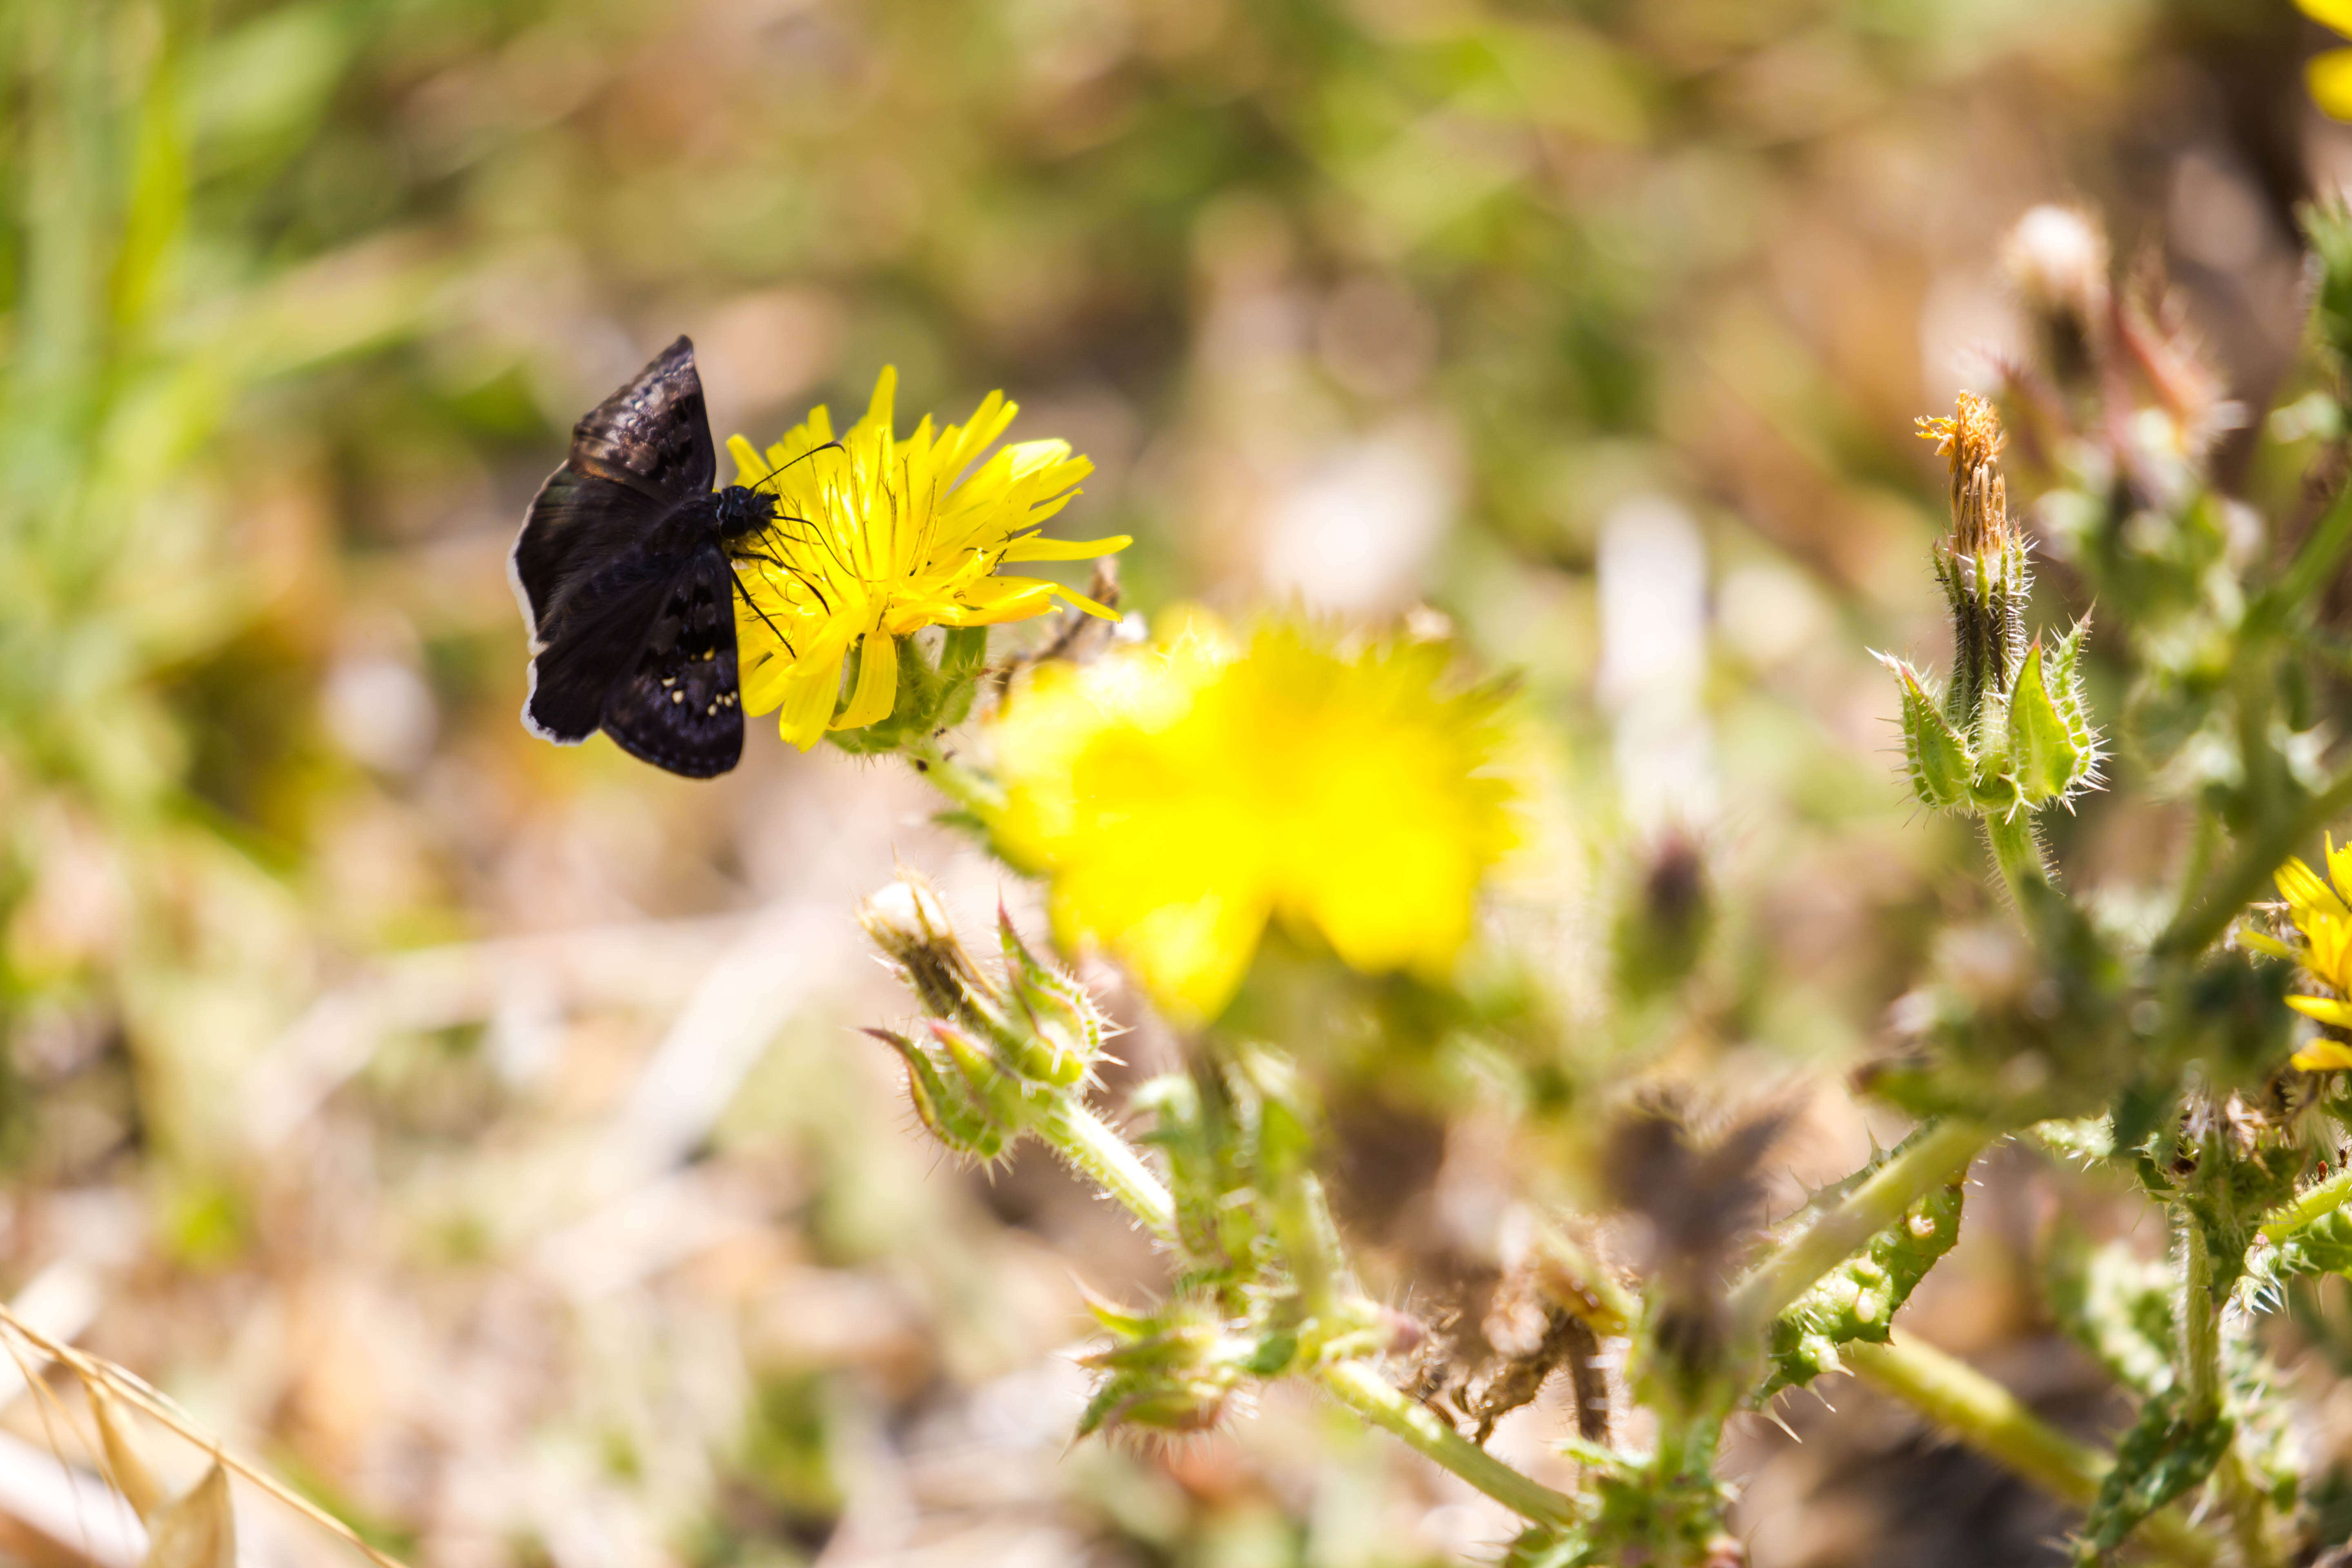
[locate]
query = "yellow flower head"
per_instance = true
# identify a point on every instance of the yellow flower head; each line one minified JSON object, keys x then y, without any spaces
{"x":1181,"y":796}
{"x":2325,"y":924}
{"x":2328,"y":75}
{"x":878,"y":537}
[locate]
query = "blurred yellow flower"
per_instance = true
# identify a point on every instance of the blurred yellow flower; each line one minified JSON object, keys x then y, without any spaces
{"x":2325,"y":953}
{"x":1181,"y":796}
{"x":2328,"y":75}
{"x":878,"y":538}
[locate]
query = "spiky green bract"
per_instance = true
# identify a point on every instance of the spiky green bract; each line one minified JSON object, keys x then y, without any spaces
{"x":1259,"y":1290}
{"x":1987,"y":592}
{"x":1942,"y":764}
{"x":1631,"y":1517}
{"x":2322,"y":1244}
{"x":2328,"y":225}
{"x":2171,"y":1447}
{"x":2025,"y":739}
{"x":1858,"y":1299}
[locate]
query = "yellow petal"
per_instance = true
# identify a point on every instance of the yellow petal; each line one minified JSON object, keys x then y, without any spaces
{"x":2336,"y":13}
{"x":2329,"y":78}
{"x":2326,"y":1009}
{"x":750,"y":468}
{"x":878,"y":683}
{"x":1033,"y":548}
{"x":2271,"y":945}
{"x":1099,"y":612}
{"x":2324,"y":1056}
{"x":2302,"y":887}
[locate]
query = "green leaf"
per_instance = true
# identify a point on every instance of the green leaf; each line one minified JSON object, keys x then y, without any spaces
{"x":2164,"y":1453}
{"x":1858,"y":1299}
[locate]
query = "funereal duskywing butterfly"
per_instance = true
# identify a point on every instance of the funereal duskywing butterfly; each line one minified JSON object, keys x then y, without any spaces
{"x":623,"y":575}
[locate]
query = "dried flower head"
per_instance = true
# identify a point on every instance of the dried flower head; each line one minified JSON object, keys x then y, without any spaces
{"x":1970,"y":437}
{"x":2056,"y":259}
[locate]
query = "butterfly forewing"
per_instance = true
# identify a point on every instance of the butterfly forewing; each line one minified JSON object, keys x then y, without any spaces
{"x":652,"y":435}
{"x":678,"y":706}
{"x":620,"y":574}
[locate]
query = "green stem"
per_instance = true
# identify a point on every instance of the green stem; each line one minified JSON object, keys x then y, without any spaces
{"x":1370,"y":1395}
{"x":2198,"y":926}
{"x":975,"y":792}
{"x":1941,"y":1152}
{"x":2018,"y":854}
{"x":2314,"y":562}
{"x":1996,"y":1423}
{"x":2307,"y":1207}
{"x":2202,"y":1380}
{"x":1109,"y":1161}
{"x":2200,"y":1328}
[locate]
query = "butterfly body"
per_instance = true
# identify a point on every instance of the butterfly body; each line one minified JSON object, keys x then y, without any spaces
{"x":624,"y":572}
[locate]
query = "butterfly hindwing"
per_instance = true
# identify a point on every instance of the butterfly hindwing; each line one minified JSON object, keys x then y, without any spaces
{"x":677,"y":705}
{"x":577,"y":523}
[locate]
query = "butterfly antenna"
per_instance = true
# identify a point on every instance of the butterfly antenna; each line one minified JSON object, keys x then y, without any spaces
{"x":833,"y":446}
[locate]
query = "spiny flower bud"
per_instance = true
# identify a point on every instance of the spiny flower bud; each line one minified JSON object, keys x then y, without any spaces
{"x":2012,"y":730}
{"x":909,"y":923}
{"x":1065,"y":1030}
{"x":1169,"y":1370}
{"x":1983,"y":565}
{"x":944,"y":1102}
{"x":2056,"y":260}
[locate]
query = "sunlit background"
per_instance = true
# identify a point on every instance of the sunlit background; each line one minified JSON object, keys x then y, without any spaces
{"x":478,"y":1131}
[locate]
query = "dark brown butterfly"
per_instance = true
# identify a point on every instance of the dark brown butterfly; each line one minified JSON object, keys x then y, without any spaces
{"x":623,"y":573}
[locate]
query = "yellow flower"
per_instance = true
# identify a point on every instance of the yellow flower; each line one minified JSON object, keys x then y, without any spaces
{"x":877,"y":538}
{"x":2325,"y":953}
{"x":2328,"y":76}
{"x":1181,"y":796}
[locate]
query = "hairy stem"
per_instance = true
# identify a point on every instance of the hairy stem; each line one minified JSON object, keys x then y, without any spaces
{"x":1109,"y":1161}
{"x":1944,"y":1150}
{"x":1996,"y":1423}
{"x":2204,"y":1381}
{"x":2018,"y":854}
{"x":975,"y":792}
{"x":1362,"y":1389}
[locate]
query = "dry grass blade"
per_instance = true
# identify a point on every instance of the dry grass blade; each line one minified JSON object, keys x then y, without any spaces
{"x":104,"y":1379}
{"x":129,"y":1473}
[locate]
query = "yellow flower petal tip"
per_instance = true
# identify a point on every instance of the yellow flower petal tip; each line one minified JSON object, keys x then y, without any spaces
{"x":2328,"y":78}
{"x":2323,"y":926}
{"x":1181,"y":796}
{"x":2324,"y":1056}
{"x":877,"y":536}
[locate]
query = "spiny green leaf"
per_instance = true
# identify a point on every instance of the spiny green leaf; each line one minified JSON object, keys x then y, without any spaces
{"x":2166,"y":1452}
{"x":1858,"y":1299}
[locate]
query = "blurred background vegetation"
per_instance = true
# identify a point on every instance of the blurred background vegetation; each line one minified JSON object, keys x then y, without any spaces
{"x":475,"y":1131}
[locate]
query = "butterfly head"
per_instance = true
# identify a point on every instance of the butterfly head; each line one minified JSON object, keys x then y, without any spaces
{"x":744,"y":512}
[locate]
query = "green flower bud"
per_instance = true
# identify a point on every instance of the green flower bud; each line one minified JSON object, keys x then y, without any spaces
{"x":1066,"y":1031}
{"x":944,"y":1106}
